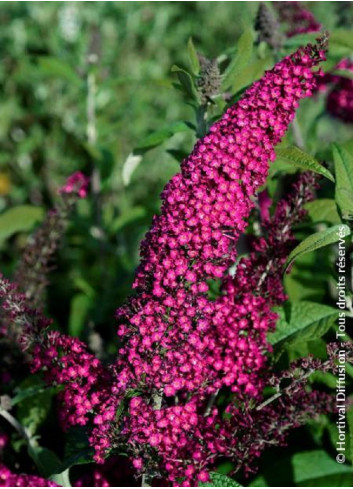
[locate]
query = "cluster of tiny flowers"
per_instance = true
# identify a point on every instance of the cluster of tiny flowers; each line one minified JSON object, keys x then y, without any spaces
{"x":31,"y":274}
{"x":261,"y":271}
{"x":9,"y":479}
{"x":181,"y":435}
{"x":65,"y":360}
{"x":340,"y":97}
{"x":178,"y":345}
{"x":244,"y":314}
{"x":166,"y":326}
{"x":299,"y":19}
{"x":76,"y":184}
{"x":270,"y":423}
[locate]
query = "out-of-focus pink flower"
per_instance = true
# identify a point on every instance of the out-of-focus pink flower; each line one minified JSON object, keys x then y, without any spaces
{"x":299,"y":19}
{"x":77,"y":184}
{"x":9,"y":479}
{"x":340,"y":97}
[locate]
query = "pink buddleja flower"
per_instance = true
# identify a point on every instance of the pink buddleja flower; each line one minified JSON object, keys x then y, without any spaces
{"x":177,"y":349}
{"x":244,"y":314}
{"x":76,"y":184}
{"x":339,"y":88}
{"x":64,"y":360}
{"x":194,"y":239}
{"x":340,"y":97}
{"x":9,"y":479}
{"x":299,"y":19}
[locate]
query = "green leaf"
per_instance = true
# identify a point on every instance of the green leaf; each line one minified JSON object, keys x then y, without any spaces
{"x":25,"y":392}
{"x":241,"y":59}
{"x":311,"y":469}
{"x":307,"y":321}
{"x":49,"y":465}
{"x":344,"y":180}
{"x":151,"y":141}
{"x":77,"y":449}
{"x":186,"y":82}
{"x":128,"y":217}
{"x":83,"y":457}
{"x":194,"y":59}
{"x":158,"y":137}
{"x":46,"y":460}
{"x":54,"y":67}
{"x":342,"y":37}
{"x":220,"y":480}
{"x":79,"y":307}
{"x":61,"y":479}
{"x":302,"y":160}
{"x":19,"y":219}
{"x":300,"y":40}
{"x":323,"y":210}
{"x":250,"y":73}
{"x":318,"y":240}
{"x":33,"y":411}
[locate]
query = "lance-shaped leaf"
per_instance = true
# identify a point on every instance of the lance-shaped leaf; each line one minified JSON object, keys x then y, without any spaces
{"x":318,"y":240}
{"x":344,"y":73}
{"x":241,"y":59}
{"x":342,"y":37}
{"x":219,"y":480}
{"x":323,"y":210}
{"x":193,"y":58}
{"x":186,"y":82}
{"x":314,"y":468}
{"x":158,"y":137}
{"x":343,"y":160}
{"x":19,"y":219}
{"x":151,"y":141}
{"x":302,"y":160}
{"x":307,"y":321}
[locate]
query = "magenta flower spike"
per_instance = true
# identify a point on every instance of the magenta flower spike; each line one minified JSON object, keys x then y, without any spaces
{"x":166,"y":326}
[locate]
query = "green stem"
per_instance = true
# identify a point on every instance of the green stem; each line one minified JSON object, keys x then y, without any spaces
{"x":297,"y":134}
{"x":201,"y":121}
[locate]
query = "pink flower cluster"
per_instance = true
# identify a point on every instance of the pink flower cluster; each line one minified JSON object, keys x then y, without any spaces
{"x":76,"y":184}
{"x":65,"y":360}
{"x":9,"y":479}
{"x":167,"y":326}
{"x":299,"y":19}
{"x":340,"y":97}
{"x":178,"y":344}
